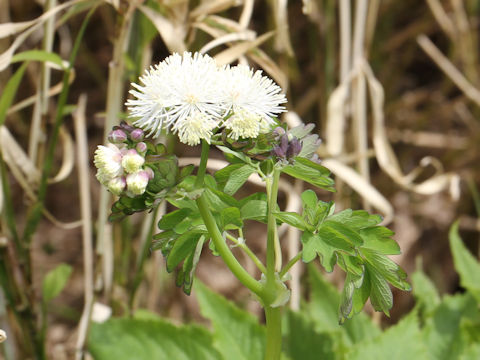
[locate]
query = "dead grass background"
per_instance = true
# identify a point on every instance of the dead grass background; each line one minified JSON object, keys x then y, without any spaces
{"x":393,"y":87}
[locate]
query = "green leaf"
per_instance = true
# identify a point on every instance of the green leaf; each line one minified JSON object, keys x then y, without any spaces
{"x":186,"y":274}
{"x":442,"y":332}
{"x":237,"y":333}
{"x":323,"y":311}
{"x":356,"y":219}
{"x":237,"y":178}
{"x":237,"y":154}
{"x":254,"y":210}
{"x":10,"y":90}
{"x":38,"y":55}
{"x":309,"y":199}
{"x":55,"y":281}
{"x":310,"y":172}
{"x":400,"y":342}
{"x":313,"y":245}
{"x":465,"y":263}
{"x":170,"y":220}
{"x":387,"y":269}
{"x":147,"y":339}
{"x":338,"y":234}
{"x":292,"y":219}
{"x":380,"y":296}
{"x":224,"y":174}
{"x":303,"y":342}
{"x":231,"y":218}
{"x":425,"y":293}
{"x":378,"y":238}
{"x":183,"y":246}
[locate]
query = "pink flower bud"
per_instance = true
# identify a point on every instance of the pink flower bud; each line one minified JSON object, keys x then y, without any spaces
{"x":149,"y":172}
{"x":117,"y":136}
{"x":137,"y":135}
{"x":141,"y":147}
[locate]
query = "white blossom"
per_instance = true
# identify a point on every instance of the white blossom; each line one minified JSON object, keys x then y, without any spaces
{"x":244,"y":124}
{"x":132,"y":161}
{"x":117,"y":185}
{"x":108,"y":160}
{"x":177,"y":93}
{"x":250,"y":94}
{"x":137,"y":183}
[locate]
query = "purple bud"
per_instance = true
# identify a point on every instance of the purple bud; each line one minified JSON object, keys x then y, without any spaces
{"x":281,"y":149}
{"x":137,"y":135}
{"x":117,"y":136}
{"x":141,"y":147}
{"x":279,"y":131}
{"x":294,"y":148}
{"x":126,"y":127}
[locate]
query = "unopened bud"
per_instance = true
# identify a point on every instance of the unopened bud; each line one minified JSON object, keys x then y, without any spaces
{"x":132,"y":161}
{"x":294,"y":148}
{"x":141,"y":147}
{"x":117,"y":136}
{"x":149,"y":172}
{"x":137,"y":135}
{"x":137,"y":182}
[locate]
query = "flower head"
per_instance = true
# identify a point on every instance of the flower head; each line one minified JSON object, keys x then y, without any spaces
{"x":108,"y":160}
{"x":117,"y":185}
{"x":132,"y":161}
{"x":252,"y":94}
{"x":175,"y":94}
{"x":137,"y":183}
{"x":244,"y":124}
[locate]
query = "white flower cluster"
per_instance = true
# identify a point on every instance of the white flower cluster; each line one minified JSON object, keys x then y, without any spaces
{"x":191,"y":96}
{"x":122,"y":170}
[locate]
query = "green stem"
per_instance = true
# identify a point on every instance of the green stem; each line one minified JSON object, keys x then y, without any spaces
{"x":272,"y":315}
{"x":248,"y":251}
{"x":272,"y":192}
{"x":220,"y":245}
{"x":274,"y":333}
{"x":289,"y":265}
{"x":202,"y":167}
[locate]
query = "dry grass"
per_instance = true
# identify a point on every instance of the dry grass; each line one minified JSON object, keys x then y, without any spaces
{"x":399,"y":134}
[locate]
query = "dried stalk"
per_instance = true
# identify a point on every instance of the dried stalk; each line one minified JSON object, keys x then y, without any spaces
{"x":83,"y":164}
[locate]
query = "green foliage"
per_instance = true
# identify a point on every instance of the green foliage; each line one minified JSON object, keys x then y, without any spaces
{"x":237,"y":334}
{"x":467,"y":266}
{"x":8,"y":93}
{"x":149,"y":338}
{"x":55,"y":281}
{"x":311,"y":172}
{"x":358,"y":245}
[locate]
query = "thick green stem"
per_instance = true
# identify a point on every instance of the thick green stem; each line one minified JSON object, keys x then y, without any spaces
{"x":272,"y":314}
{"x":217,"y":238}
{"x":274,"y":333}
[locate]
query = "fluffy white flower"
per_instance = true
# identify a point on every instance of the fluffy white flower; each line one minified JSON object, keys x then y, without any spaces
{"x":248,"y":92}
{"x":174,"y":92}
{"x":132,"y":161}
{"x":244,"y":124}
{"x":195,"y":127}
{"x":137,"y":183}
{"x":108,"y":160}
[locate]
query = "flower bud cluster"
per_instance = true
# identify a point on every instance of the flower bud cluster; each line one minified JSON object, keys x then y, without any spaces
{"x":288,"y":145}
{"x":121,"y":164}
